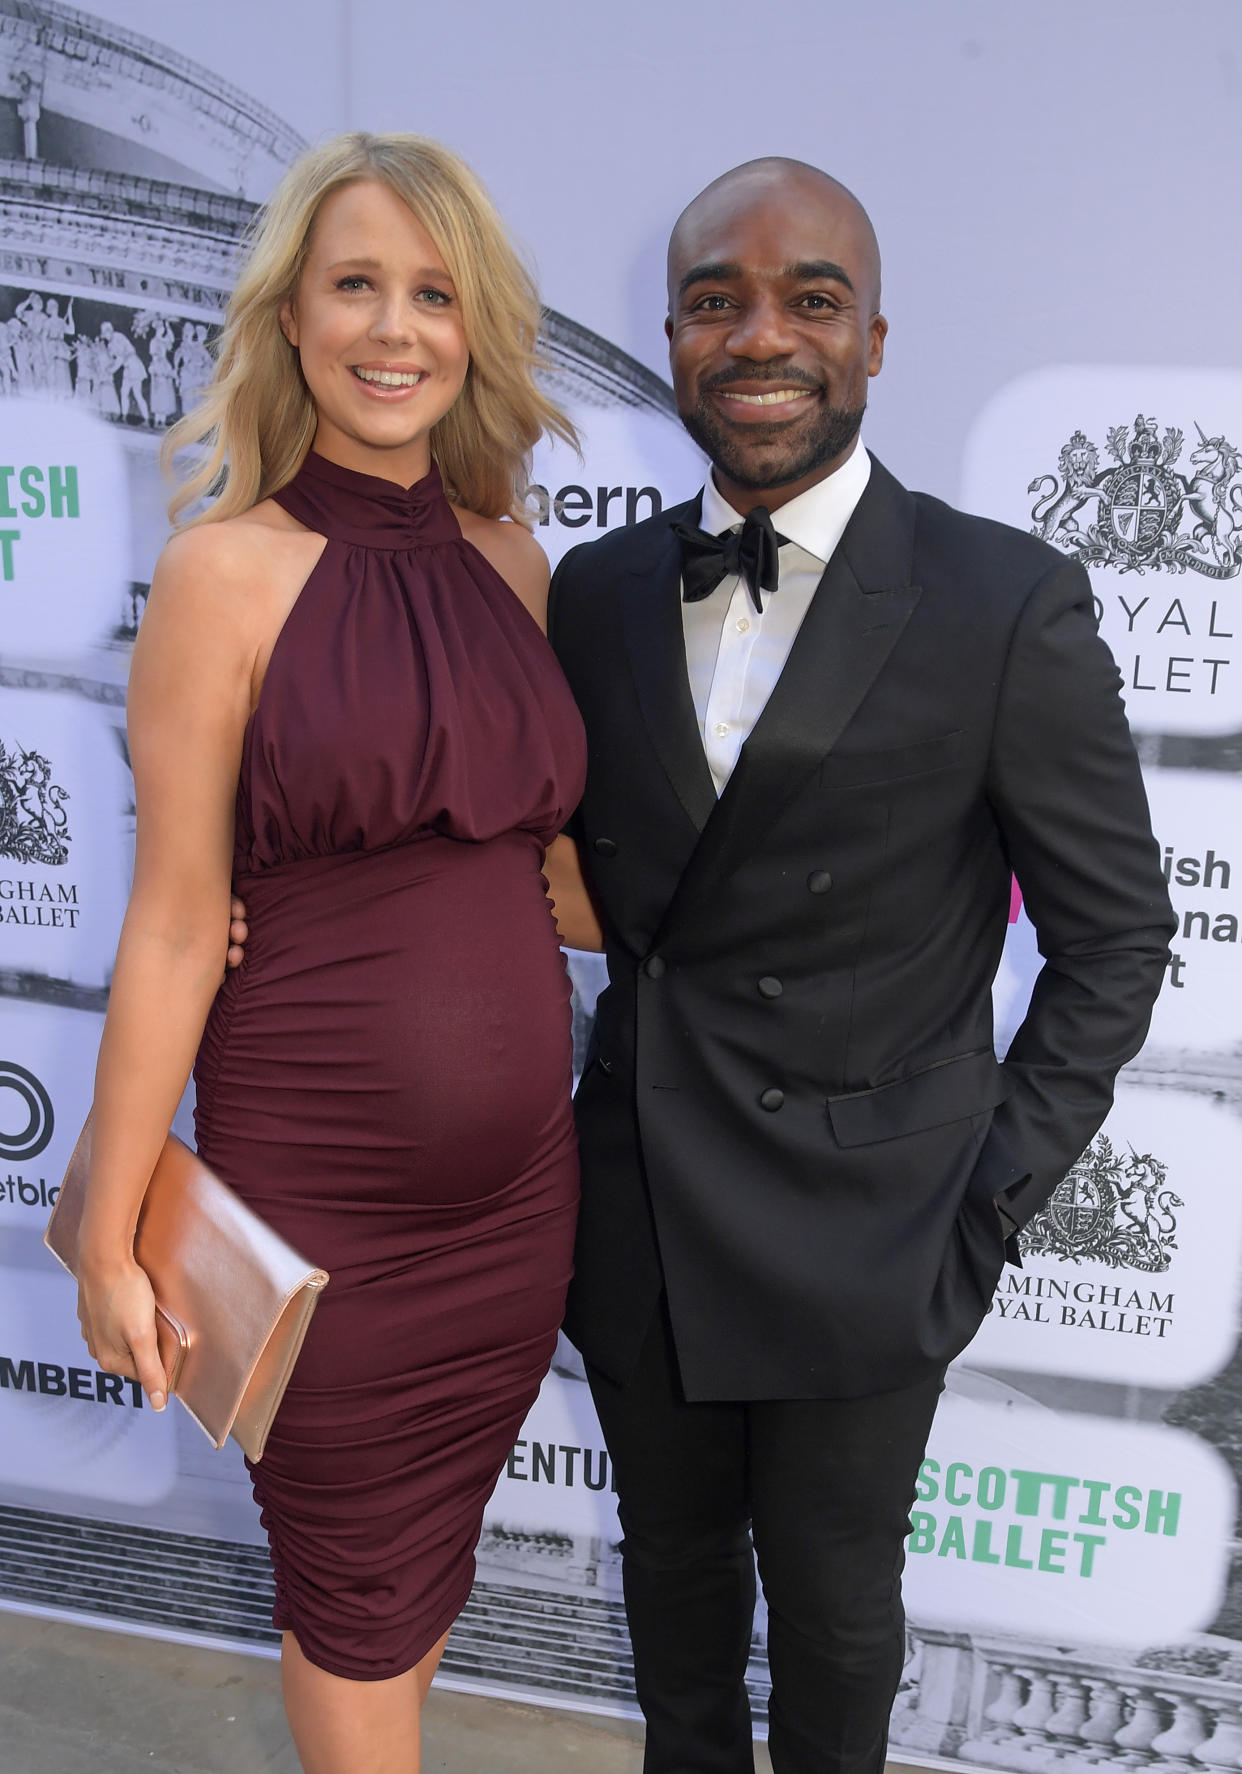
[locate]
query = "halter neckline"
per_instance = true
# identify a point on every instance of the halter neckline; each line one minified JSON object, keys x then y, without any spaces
{"x":364,"y":509}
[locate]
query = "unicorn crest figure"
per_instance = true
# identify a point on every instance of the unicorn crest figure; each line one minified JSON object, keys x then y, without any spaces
{"x":1214,"y":496}
{"x":34,"y":826}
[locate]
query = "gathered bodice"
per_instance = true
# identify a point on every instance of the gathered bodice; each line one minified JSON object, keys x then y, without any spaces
{"x":409,"y":694}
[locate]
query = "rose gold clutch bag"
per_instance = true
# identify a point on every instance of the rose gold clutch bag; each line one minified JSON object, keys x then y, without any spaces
{"x":233,"y":1300}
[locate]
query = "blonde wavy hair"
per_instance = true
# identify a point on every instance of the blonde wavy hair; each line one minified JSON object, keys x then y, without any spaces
{"x":256,"y":419}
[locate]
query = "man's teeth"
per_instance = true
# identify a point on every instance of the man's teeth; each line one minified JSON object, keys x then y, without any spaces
{"x":777,"y":397}
{"x":390,"y":378}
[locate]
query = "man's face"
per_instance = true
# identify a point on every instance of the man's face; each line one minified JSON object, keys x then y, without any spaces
{"x":773,"y":331}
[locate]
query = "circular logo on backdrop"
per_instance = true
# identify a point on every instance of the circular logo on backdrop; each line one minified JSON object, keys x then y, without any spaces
{"x":18,"y":1142}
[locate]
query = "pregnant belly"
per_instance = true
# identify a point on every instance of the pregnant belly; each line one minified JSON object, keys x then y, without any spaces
{"x":399,"y":1028}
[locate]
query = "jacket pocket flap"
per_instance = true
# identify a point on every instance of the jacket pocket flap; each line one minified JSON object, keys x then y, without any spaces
{"x":870,"y":769}
{"x":950,"y":1090}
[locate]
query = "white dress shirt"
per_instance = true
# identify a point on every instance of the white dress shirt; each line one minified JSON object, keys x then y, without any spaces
{"x":734,"y":653}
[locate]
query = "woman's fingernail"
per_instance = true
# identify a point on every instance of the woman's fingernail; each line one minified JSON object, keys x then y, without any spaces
{"x":158,"y":1401}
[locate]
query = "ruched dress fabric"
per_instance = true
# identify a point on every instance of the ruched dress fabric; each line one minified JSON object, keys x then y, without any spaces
{"x":386,"y":1077}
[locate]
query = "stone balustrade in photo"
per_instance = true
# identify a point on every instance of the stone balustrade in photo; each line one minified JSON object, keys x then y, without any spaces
{"x":1003,"y":1705}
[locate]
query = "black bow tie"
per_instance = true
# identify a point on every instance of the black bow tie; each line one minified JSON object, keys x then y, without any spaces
{"x":751,"y":552}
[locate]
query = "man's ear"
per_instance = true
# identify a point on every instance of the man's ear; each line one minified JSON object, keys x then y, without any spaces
{"x":875,"y":353}
{"x":288,"y":323}
{"x":668,"y":328}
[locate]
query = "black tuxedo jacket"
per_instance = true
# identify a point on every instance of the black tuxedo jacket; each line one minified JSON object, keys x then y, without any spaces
{"x":793,"y":1119}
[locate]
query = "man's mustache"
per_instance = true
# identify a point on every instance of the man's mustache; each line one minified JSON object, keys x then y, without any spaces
{"x":759,"y":372}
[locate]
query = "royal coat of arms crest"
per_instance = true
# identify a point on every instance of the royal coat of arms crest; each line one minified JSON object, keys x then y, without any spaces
{"x":1112,"y":1208}
{"x":1145,"y":514}
{"x":34,"y":826}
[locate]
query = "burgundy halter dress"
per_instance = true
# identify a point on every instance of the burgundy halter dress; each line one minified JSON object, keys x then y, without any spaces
{"x":386,"y":1077}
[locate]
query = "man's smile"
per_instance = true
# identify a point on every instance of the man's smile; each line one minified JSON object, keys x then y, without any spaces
{"x":777,"y":397}
{"x":749,"y":401}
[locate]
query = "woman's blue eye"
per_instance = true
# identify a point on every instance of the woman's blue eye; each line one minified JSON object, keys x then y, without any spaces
{"x":433,"y":297}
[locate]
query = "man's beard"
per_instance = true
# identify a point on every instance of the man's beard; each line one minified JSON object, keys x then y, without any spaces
{"x":776,"y":462}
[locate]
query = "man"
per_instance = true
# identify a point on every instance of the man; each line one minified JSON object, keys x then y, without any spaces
{"x":118,"y":354}
{"x":818,"y":750}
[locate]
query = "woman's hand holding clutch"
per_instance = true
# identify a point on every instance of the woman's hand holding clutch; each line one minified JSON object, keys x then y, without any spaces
{"x":116,"y":1309}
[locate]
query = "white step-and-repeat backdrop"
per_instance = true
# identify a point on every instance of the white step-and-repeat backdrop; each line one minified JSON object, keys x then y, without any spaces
{"x":1051,"y":188}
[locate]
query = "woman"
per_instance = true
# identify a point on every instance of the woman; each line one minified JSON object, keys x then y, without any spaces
{"x":57,"y":331}
{"x":163,"y":382}
{"x":341,"y":701}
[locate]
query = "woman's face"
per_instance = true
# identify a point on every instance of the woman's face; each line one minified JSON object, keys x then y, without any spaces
{"x":378,"y":328}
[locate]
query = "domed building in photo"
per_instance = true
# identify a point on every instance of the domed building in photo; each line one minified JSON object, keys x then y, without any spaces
{"x":128,"y":177}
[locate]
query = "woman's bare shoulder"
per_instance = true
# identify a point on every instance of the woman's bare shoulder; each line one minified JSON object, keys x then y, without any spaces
{"x":246,"y":561}
{"x":516,"y":556}
{"x":253,"y":538}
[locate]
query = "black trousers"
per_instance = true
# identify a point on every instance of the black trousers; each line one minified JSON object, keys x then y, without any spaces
{"x":825,"y":1487}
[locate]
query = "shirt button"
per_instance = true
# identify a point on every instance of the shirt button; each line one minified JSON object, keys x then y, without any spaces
{"x":770,"y":987}
{"x":653,"y":967}
{"x":742,"y":625}
{"x":604,"y":847}
{"x":772,"y":1099}
{"x":721,"y":729}
{"x":819,"y":881}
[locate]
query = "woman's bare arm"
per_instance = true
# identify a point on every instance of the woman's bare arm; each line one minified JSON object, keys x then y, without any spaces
{"x":577,"y":916}
{"x":189,"y":698}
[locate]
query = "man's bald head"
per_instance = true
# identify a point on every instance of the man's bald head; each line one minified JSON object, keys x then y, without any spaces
{"x":774,"y":178}
{"x":774,"y":326}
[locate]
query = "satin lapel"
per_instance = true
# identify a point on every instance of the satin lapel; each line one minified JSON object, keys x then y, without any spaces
{"x":655,"y":641}
{"x":855,"y":619}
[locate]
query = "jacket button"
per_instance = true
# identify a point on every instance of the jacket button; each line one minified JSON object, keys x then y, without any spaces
{"x":819,"y":880}
{"x":604,"y":847}
{"x":770,"y":987}
{"x":772,"y":1099}
{"x":653,"y":967}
